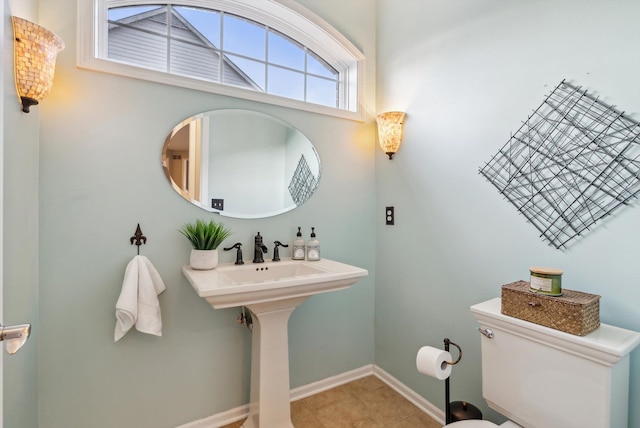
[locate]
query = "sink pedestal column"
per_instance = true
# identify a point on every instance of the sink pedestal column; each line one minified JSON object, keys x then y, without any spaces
{"x":270,"y":405}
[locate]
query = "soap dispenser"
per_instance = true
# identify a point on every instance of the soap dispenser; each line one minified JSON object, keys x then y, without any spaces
{"x":313,"y":247}
{"x":298,"y":247}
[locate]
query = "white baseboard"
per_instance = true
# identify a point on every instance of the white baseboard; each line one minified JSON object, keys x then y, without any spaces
{"x":241,"y":412}
{"x":219,"y":419}
{"x":331,"y":382}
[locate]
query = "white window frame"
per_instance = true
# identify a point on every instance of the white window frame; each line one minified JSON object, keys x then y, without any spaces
{"x":285,"y":16}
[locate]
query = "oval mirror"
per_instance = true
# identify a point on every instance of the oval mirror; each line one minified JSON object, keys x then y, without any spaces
{"x":240,"y":163}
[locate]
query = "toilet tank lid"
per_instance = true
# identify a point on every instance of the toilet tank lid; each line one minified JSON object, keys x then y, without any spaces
{"x":606,"y":345}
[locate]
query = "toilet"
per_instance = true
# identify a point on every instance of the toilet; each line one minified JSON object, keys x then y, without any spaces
{"x":544,"y":378}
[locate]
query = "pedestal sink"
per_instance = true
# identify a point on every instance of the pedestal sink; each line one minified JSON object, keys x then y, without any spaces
{"x":271,"y":291}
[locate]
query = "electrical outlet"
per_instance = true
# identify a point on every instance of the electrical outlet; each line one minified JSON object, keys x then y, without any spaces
{"x":389,"y":213}
{"x":217,"y":204}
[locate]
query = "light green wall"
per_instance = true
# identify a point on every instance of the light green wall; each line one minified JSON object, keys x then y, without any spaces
{"x":20,"y":230}
{"x":100,"y":174}
{"x":468,"y":72}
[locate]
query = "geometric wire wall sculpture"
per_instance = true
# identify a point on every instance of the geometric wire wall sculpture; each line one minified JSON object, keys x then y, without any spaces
{"x":303,"y":183}
{"x":573,"y":162}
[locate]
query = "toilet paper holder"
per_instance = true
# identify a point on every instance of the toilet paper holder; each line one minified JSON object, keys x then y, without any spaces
{"x":462,"y":410}
{"x":448,"y":342}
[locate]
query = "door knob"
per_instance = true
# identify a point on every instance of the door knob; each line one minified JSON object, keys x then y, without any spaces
{"x":15,"y":336}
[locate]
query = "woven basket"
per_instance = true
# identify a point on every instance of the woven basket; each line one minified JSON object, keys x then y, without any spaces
{"x":574,"y":312}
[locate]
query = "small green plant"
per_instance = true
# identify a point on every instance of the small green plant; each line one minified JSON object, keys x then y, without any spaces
{"x":205,"y":236}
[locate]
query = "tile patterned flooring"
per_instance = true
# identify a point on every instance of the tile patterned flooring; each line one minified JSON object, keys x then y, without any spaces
{"x":363,"y":403}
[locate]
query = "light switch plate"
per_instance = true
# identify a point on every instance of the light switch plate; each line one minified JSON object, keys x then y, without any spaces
{"x":217,"y":204}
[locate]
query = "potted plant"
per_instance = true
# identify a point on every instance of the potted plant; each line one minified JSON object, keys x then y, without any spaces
{"x":205,"y":237}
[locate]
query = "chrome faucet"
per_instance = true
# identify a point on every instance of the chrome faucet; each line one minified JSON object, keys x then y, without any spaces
{"x":259,"y":249}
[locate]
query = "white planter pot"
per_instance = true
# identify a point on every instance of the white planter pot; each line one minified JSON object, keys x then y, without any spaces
{"x":203,"y":259}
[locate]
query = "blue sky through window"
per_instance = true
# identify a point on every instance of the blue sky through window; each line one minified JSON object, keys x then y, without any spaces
{"x":207,"y":22}
{"x":244,"y":38}
{"x":283,"y":51}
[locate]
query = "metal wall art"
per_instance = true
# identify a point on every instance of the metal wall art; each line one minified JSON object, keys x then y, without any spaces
{"x":573,"y":162}
{"x":303,"y":183}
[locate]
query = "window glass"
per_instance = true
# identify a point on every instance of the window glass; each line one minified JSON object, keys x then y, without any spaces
{"x":243,"y":37}
{"x":138,"y":47}
{"x":194,"y":61}
{"x":286,"y":83}
{"x":205,"y":21}
{"x":284,"y":51}
{"x":181,"y":29}
{"x":127,"y":11}
{"x":153,"y":21}
{"x":317,"y":66}
{"x":322,"y":91}
{"x":237,"y":67}
{"x":211,"y":41}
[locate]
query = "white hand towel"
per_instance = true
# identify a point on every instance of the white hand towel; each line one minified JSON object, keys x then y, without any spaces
{"x":138,"y":302}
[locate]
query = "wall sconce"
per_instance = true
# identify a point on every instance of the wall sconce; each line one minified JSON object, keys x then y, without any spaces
{"x":14,"y":336}
{"x":35,"y":50}
{"x":390,"y":131}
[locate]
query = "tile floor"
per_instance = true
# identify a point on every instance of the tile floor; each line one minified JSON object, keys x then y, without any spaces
{"x":363,"y":403}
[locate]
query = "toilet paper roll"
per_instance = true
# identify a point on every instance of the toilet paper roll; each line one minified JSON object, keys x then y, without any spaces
{"x":433,"y":362}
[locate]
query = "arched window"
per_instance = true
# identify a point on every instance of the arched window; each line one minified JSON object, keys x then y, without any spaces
{"x":264,"y":50}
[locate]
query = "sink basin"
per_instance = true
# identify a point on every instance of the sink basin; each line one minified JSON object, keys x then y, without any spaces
{"x":231,"y":285}
{"x":271,"y":291}
{"x":272,"y":272}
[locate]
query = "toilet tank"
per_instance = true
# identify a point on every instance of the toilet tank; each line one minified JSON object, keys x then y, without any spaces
{"x":545,"y":378}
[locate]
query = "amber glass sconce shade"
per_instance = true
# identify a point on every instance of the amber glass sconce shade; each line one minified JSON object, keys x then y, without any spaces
{"x":35,"y":50}
{"x":390,"y":127}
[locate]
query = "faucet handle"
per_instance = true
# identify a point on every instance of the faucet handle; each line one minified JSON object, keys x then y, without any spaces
{"x":276,"y":252}
{"x":238,"y":247}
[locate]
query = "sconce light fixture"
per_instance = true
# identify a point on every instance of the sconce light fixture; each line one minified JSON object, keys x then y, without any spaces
{"x":390,"y":131}
{"x":35,"y":50}
{"x":14,"y":336}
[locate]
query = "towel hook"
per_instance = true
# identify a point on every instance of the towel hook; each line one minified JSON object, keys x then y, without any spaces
{"x":139,"y":238}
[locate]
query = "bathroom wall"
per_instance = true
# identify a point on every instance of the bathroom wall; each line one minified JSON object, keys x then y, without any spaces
{"x":100,"y":175}
{"x":20,"y":233}
{"x":468,"y":72}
